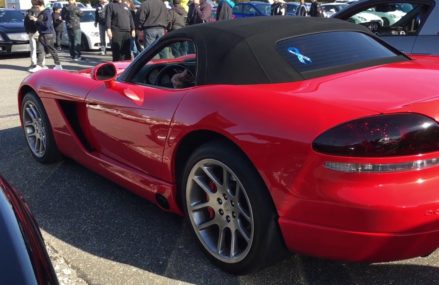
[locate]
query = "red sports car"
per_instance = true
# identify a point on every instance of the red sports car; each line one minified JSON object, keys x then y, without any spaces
{"x":270,"y":133}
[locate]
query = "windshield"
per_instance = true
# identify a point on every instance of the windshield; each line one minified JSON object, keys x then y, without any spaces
{"x":88,"y":16}
{"x":265,"y":9}
{"x":11,"y":16}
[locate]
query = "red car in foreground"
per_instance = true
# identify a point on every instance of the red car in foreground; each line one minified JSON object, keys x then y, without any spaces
{"x":271,"y":133}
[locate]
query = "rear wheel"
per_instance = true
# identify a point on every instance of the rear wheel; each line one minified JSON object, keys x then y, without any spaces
{"x":230,"y":210}
{"x":38,"y":131}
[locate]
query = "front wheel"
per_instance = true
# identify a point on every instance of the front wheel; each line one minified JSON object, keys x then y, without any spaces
{"x":230,"y":210}
{"x":37,"y":130}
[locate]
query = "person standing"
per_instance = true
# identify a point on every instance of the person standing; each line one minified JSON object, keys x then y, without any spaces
{"x":177,"y":20}
{"x":225,"y":10}
{"x":199,"y":12}
{"x":45,"y":28}
{"x":153,"y":20}
{"x":30,"y":26}
{"x":278,"y":8}
{"x":71,"y":14}
{"x":100,"y":20}
{"x":135,"y":46}
{"x":120,"y":29}
{"x":301,"y":10}
{"x":58,"y":25}
{"x":315,"y":10}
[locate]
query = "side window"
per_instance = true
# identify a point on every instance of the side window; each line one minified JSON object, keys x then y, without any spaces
{"x":249,"y":10}
{"x":237,"y":9}
{"x":392,"y":19}
{"x":173,"y":66}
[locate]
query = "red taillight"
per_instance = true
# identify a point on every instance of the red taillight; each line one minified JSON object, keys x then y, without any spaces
{"x":383,"y":135}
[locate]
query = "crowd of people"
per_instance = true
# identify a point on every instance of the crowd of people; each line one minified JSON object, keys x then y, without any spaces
{"x":122,"y":22}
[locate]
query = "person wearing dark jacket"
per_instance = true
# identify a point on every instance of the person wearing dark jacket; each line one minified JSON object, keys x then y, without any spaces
{"x":135,"y":46}
{"x":45,"y":28}
{"x":30,"y":28}
{"x":100,"y":20}
{"x":177,"y":20}
{"x":315,"y":10}
{"x":199,"y":12}
{"x":120,"y":29}
{"x":301,"y":10}
{"x":225,"y":10}
{"x":153,"y":20}
{"x":58,"y":25}
{"x":71,"y":14}
{"x":277,"y":8}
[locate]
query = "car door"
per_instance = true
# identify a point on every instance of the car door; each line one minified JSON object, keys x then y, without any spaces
{"x":129,"y":121}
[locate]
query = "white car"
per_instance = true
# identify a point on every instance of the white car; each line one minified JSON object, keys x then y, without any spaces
{"x":389,"y":16}
{"x":330,"y":9}
{"x":90,"y":39}
{"x":365,"y":17}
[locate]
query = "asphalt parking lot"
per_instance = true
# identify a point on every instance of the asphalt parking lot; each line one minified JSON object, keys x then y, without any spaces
{"x":107,"y":235}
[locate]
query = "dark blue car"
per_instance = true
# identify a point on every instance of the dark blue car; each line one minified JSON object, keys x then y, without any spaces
{"x":251,"y":9}
{"x":13,"y":37}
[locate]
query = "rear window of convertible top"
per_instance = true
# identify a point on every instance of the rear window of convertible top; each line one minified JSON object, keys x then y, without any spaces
{"x":320,"y":53}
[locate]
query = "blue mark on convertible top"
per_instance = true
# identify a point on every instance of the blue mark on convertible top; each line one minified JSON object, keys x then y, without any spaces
{"x":302,"y":58}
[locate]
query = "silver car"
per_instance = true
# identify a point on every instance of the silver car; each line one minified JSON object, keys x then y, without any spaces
{"x":411,"y":26}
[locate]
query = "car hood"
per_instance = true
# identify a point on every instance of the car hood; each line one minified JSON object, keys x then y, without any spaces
{"x":387,"y":88}
{"x":12,"y":27}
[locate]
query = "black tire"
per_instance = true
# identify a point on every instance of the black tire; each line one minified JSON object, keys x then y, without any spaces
{"x":34,"y":118}
{"x":84,"y":43}
{"x":265,"y":245}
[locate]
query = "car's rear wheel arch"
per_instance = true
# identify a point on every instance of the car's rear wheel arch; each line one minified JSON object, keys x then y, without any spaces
{"x":266,"y":246}
{"x":193,"y":141}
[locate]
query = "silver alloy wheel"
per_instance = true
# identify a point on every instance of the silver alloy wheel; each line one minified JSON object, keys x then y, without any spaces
{"x":34,"y":129}
{"x":219,"y":210}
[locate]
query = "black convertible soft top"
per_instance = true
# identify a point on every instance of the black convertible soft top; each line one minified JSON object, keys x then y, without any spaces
{"x":244,"y":51}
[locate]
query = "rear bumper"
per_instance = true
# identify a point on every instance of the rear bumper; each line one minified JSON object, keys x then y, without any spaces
{"x":362,"y":216}
{"x":356,"y":246}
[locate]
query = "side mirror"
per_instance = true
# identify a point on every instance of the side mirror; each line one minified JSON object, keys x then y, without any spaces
{"x":104,"y":72}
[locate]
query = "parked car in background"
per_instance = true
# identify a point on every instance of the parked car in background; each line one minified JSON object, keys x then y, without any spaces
{"x":367,"y":19}
{"x":411,"y":26}
{"x":292,"y":8}
{"x":23,"y":258}
{"x":90,"y":34}
{"x":330,"y":9}
{"x":251,"y":9}
{"x":61,"y":4}
{"x":13,"y":37}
